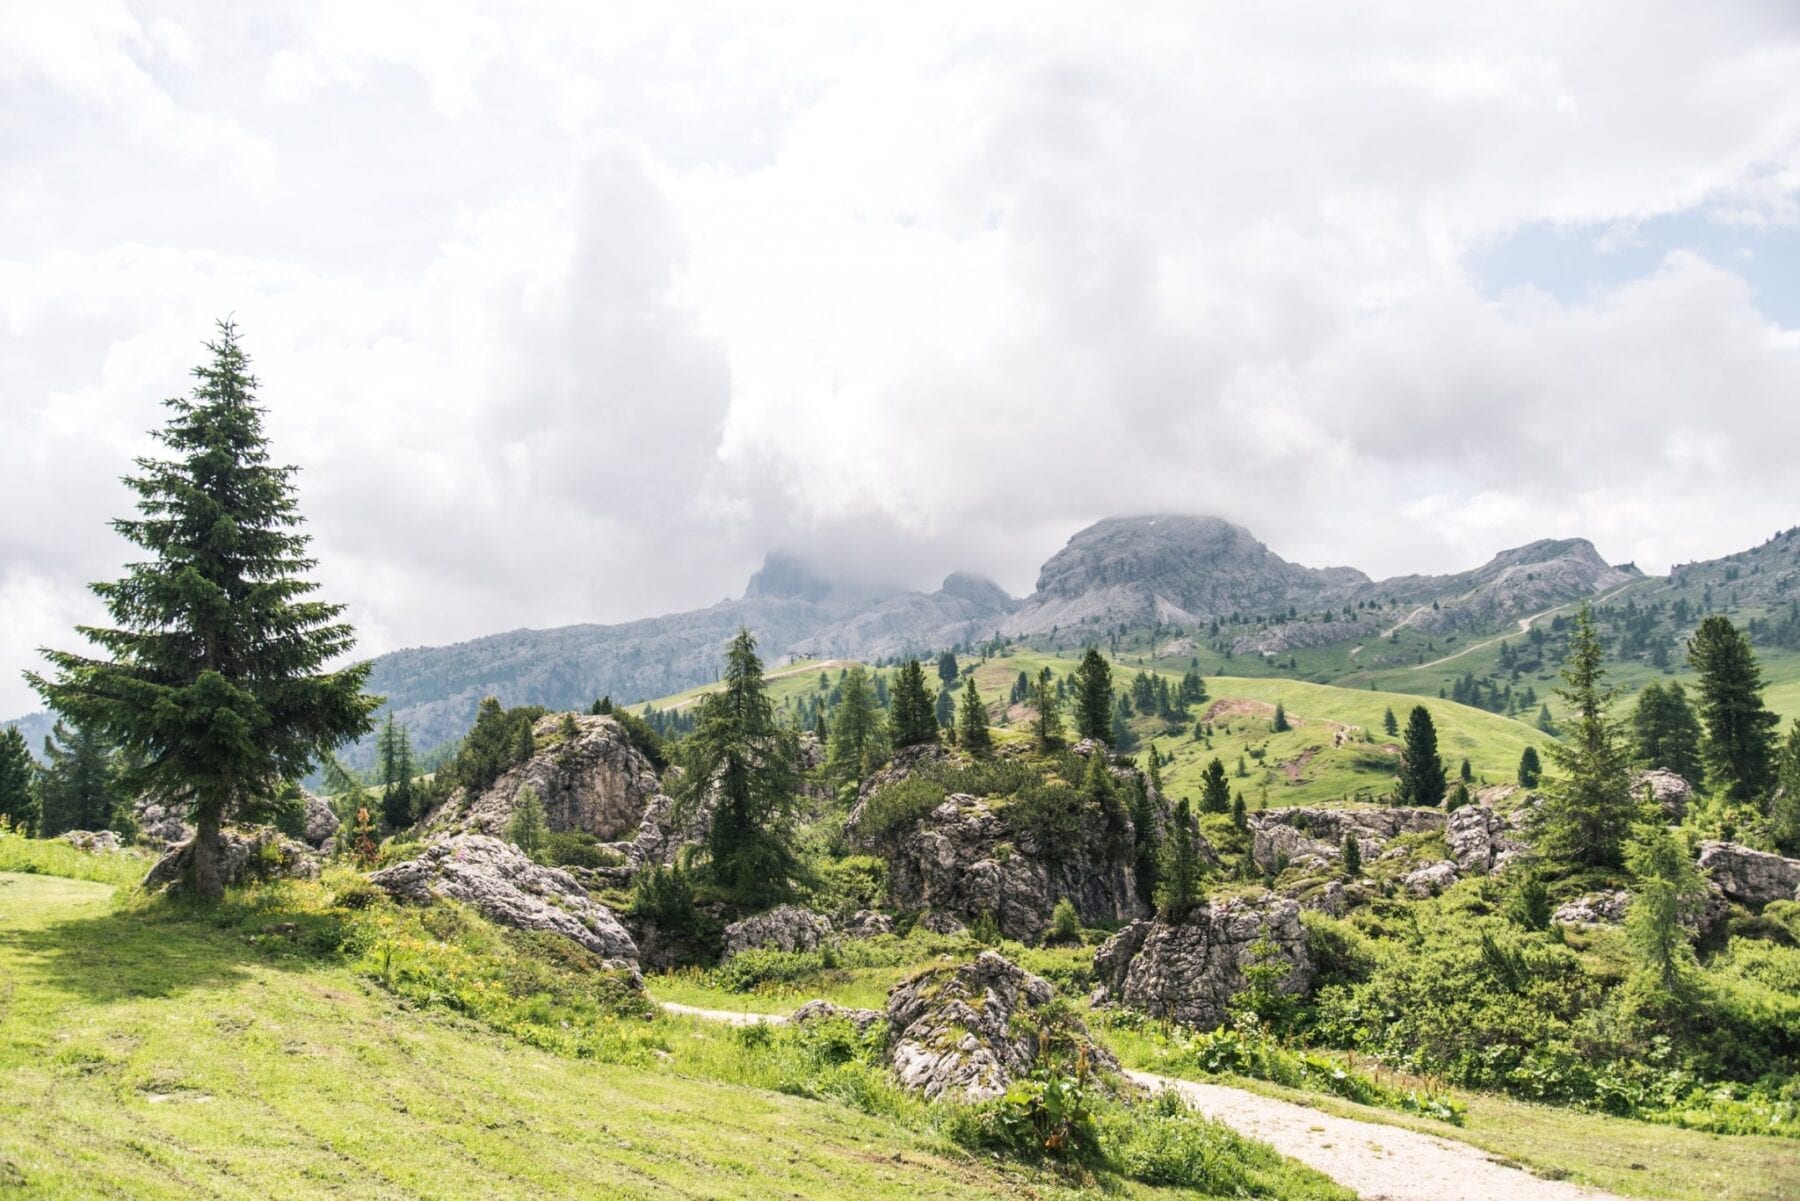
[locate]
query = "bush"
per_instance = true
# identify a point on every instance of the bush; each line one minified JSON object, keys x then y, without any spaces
{"x":899,"y":805}
{"x":576,"y":849}
{"x":1065,"y":923}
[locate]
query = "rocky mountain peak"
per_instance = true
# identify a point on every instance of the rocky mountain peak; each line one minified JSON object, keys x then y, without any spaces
{"x":784,"y":576}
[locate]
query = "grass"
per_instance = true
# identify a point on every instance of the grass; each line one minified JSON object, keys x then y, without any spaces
{"x":150,"y":1050}
{"x":55,"y":857}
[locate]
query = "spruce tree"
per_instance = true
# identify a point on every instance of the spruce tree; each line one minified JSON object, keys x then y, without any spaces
{"x":1784,"y":808}
{"x":1147,"y":834}
{"x":913,"y":719}
{"x":214,"y":684}
{"x":946,"y":669}
{"x":1739,"y":748}
{"x":1215,"y":793}
{"x":1280,"y":724}
{"x":18,"y":783}
{"x":1093,"y":697}
{"x":1666,"y":733}
{"x":1239,"y":816}
{"x":741,"y":761}
{"x":1178,"y":891}
{"x":393,"y":752}
{"x":1588,"y":807}
{"x":972,"y":721}
{"x":1421,"y":769}
{"x":1467,"y":772}
{"x":78,"y":789}
{"x":1390,"y":724}
{"x":1352,"y":855}
{"x":1049,"y":713}
{"x":1531,"y":768}
{"x":527,"y":830}
{"x":1669,"y":890}
{"x":945,"y":709}
{"x":852,"y":723}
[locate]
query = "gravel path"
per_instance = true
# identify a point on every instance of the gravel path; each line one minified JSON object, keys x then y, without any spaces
{"x":1381,"y":1163}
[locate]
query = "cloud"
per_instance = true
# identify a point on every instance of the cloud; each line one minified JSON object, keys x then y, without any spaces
{"x":571,"y":317}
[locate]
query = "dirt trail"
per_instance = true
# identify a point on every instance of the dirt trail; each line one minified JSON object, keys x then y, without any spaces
{"x":1381,"y":1163}
{"x":1525,"y":624}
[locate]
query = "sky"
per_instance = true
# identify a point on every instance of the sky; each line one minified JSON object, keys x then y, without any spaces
{"x":572,"y":313}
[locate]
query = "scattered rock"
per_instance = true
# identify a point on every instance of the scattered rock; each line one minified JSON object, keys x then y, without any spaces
{"x":497,"y":879}
{"x":660,"y":836}
{"x":1750,"y":877}
{"x":318,"y":821}
{"x":245,"y":857}
{"x":784,"y":928}
{"x":867,"y":923}
{"x":943,"y":923}
{"x":862,"y":1019}
{"x":1482,"y":841}
{"x":94,"y":842}
{"x":1430,"y":880}
{"x":966,"y":1031}
{"x":1302,"y":837}
{"x":1595,"y":909}
{"x":1189,"y":971}
{"x":162,"y":825}
{"x":1669,"y":790}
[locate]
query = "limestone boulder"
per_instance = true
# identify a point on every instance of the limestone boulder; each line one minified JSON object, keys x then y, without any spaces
{"x":318,"y":821}
{"x":1482,"y":841}
{"x":1752,"y":878}
{"x":784,"y":928}
{"x":246,"y":857}
{"x":863,"y":1019}
{"x":94,"y":842}
{"x":867,"y":923}
{"x":1429,"y":880}
{"x":1189,"y":971}
{"x":498,"y":880}
{"x":1595,"y":909}
{"x":1308,"y":837}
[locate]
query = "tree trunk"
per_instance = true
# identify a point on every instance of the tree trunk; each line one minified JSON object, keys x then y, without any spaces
{"x":209,"y":880}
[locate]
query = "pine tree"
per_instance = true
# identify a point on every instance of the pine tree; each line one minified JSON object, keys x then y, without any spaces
{"x":1467,"y":772}
{"x":1666,"y":733}
{"x":742,"y":761}
{"x":18,"y":783}
{"x":1147,"y":833}
{"x":972,"y":722}
{"x":1215,"y":793}
{"x":1093,"y":697}
{"x":1669,"y":890}
{"x":78,"y":789}
{"x":1049,"y":715}
{"x":946,"y":669}
{"x":1546,"y":723}
{"x":1588,"y":807}
{"x":1421,"y":770}
{"x":1352,"y":855}
{"x":1784,"y":808}
{"x":527,"y":830}
{"x":913,"y":719}
{"x":1531,"y":769}
{"x":1239,"y":815}
{"x":215,"y":687}
{"x":393,"y":750}
{"x":1739,"y":747}
{"x":1459,"y":796}
{"x":1179,"y":889}
{"x":1390,"y":724}
{"x":945,"y":710}
{"x":853,"y":722}
{"x":1100,"y":789}
{"x":1280,"y":724}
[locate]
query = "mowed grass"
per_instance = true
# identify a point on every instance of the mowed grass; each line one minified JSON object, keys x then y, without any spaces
{"x":146,"y":1052}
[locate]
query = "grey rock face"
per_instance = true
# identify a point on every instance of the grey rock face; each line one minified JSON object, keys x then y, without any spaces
{"x":963,"y":860}
{"x":862,"y":1019}
{"x":964,"y":1031}
{"x":498,"y":880}
{"x":162,"y":824}
{"x":94,"y":842}
{"x":784,"y":928}
{"x":867,"y":923}
{"x":1482,"y":841}
{"x":247,"y":856}
{"x":1189,"y":971}
{"x":318,"y":821}
{"x":1670,"y":791}
{"x":1299,"y":837}
{"x":1430,"y":880}
{"x":1594,"y":909}
{"x":597,"y":784}
{"x":1750,"y":877}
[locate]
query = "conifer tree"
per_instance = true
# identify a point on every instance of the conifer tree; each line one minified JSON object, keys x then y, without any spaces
{"x":1352,"y":855}
{"x":1093,"y":697}
{"x":946,"y":669}
{"x":1467,"y":772}
{"x":945,"y":709}
{"x":1666,"y":733}
{"x":18,"y":783}
{"x":913,"y":718}
{"x":1147,"y":834}
{"x":741,"y":761}
{"x":1215,"y":793}
{"x":1588,"y":807}
{"x":1421,"y":769}
{"x":527,"y":830}
{"x":1178,"y":891}
{"x":853,"y":722}
{"x":1531,"y":768}
{"x":393,"y":751}
{"x":1784,"y":808}
{"x":1739,"y":747}
{"x":1669,"y":890}
{"x":1239,"y":816}
{"x":215,"y":684}
{"x":972,"y":720}
{"x":1390,"y":724}
{"x":78,"y":788}
{"x":1280,"y":724}
{"x":1049,"y":714}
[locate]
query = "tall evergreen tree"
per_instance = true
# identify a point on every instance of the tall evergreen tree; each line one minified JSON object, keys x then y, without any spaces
{"x":78,"y":789}
{"x":852,"y":724}
{"x":1147,"y":836}
{"x":946,"y":709}
{"x":393,"y":752}
{"x":1178,"y":891}
{"x":1784,"y":808}
{"x":913,"y":718}
{"x":1421,"y":769}
{"x":972,"y":722}
{"x":1588,"y":807}
{"x":1093,"y":697}
{"x":1049,"y":710}
{"x":1390,"y":724}
{"x":1669,"y":890}
{"x":946,"y":669}
{"x":1215,"y":793}
{"x":215,"y":685}
{"x":1739,"y":748}
{"x":742,"y":761}
{"x":527,"y":829}
{"x":18,"y":782}
{"x":1666,"y":732}
{"x":1280,"y":724}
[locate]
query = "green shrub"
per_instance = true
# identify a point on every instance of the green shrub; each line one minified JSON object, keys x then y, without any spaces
{"x":899,"y":805}
{"x":573,"y":848}
{"x":1065,"y":923}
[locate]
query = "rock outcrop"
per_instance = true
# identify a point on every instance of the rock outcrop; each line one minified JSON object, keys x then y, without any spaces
{"x":862,"y":1019}
{"x":784,"y":928}
{"x":1429,"y":880}
{"x":595,"y":783}
{"x":246,"y":857}
{"x":162,"y":825}
{"x":1299,"y":837}
{"x":966,"y":1032}
{"x":1750,"y":877}
{"x":498,"y":880}
{"x":318,"y":820}
{"x":964,"y":860}
{"x":94,"y":842}
{"x":1595,"y":909}
{"x":1189,"y":971}
{"x":1482,"y":841}
{"x":1667,"y":789}
{"x":867,"y":923}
